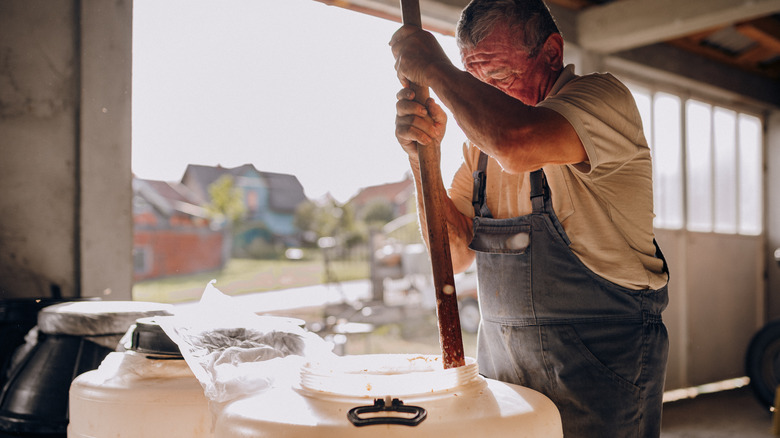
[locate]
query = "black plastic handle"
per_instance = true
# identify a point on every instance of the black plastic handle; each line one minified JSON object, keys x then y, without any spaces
{"x":396,"y":405}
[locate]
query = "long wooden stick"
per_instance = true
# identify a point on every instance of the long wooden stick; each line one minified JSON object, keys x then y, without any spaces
{"x":450,"y":336}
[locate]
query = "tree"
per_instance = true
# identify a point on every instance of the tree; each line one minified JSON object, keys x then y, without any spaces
{"x":227,"y":201}
{"x":329,"y":219}
{"x":378,"y":212}
{"x":226,"y":207}
{"x":305,"y":220}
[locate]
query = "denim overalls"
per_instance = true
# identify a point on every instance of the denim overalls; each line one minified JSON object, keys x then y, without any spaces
{"x":596,"y":349}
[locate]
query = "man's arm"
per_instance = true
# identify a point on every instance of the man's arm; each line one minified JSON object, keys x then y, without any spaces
{"x":415,"y":129}
{"x":520,"y":137}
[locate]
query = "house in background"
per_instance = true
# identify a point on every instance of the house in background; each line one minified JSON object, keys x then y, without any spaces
{"x":398,"y":196}
{"x":172,"y":234}
{"x":271,"y":200}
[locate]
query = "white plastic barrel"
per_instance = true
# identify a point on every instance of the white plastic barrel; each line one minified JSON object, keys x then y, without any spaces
{"x":391,"y":396}
{"x":146,"y":392}
{"x":70,"y":338}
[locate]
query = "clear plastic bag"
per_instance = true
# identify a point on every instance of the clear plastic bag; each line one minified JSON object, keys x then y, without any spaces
{"x":235,"y":353}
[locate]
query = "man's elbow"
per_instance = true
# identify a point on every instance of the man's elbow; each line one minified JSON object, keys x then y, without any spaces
{"x":514,"y":155}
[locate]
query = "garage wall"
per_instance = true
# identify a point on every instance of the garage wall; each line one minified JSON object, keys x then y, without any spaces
{"x":716,"y":304}
{"x":38,"y":142}
{"x":65,"y":70}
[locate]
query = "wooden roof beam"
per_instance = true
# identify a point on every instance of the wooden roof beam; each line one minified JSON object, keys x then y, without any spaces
{"x":765,"y":32}
{"x":629,"y":24}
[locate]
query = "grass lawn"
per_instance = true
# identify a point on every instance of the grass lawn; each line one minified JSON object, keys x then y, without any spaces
{"x":241,"y":276}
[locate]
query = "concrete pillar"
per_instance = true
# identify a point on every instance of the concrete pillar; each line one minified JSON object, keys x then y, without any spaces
{"x":105,"y":178}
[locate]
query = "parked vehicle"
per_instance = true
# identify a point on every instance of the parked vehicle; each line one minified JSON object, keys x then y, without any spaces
{"x":410,"y":265}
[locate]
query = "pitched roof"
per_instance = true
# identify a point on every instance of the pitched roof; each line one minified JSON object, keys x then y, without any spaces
{"x":198,"y":178}
{"x":168,"y":197}
{"x":395,"y":193}
{"x":173,"y":190}
{"x":285,"y":191}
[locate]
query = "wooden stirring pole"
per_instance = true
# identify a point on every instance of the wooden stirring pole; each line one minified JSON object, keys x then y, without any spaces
{"x":438,"y":238}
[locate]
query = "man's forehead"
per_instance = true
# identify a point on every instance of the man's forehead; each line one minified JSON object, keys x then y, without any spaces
{"x":492,"y":56}
{"x":484,"y":62}
{"x":487,"y":50}
{"x":500,"y":42}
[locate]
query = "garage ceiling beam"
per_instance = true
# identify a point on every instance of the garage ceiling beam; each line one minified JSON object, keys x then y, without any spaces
{"x":629,"y":24}
{"x":700,"y":70}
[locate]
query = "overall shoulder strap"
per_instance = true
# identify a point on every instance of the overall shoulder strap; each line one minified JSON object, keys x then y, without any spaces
{"x":478,"y":192}
{"x":540,"y":191}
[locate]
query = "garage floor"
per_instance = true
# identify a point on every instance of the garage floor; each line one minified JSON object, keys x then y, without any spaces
{"x":733,"y":413}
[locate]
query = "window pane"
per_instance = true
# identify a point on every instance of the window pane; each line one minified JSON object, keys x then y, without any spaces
{"x":699,"y":165}
{"x":750,"y":175}
{"x":667,"y":167}
{"x":725,"y":128}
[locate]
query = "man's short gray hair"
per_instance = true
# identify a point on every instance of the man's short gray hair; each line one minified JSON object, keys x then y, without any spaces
{"x":480,"y":17}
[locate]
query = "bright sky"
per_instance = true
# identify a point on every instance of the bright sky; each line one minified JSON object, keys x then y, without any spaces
{"x":290,"y":86}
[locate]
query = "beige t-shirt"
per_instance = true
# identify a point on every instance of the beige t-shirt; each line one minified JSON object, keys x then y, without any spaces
{"x":604,"y":204}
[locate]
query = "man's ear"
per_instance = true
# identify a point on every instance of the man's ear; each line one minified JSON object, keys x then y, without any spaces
{"x":553,"y":51}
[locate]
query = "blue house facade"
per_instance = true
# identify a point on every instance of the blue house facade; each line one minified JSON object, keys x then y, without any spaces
{"x":271,"y":200}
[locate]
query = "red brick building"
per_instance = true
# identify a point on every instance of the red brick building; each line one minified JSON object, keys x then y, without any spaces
{"x":172,"y":234}
{"x":399,"y":196}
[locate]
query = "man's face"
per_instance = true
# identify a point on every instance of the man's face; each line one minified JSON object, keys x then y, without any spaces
{"x":497,"y":61}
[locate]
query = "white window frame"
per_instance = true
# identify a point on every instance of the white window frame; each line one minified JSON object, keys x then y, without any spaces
{"x":690,"y":93}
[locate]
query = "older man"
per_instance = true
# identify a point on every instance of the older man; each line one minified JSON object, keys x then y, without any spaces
{"x":554,"y":199}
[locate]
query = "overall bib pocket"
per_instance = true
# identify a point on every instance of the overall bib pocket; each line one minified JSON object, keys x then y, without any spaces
{"x":492,"y":238}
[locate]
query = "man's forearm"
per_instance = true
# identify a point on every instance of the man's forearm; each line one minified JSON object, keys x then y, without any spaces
{"x":520,"y":137}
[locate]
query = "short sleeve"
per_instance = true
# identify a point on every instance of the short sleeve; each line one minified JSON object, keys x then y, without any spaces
{"x":604,"y":115}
